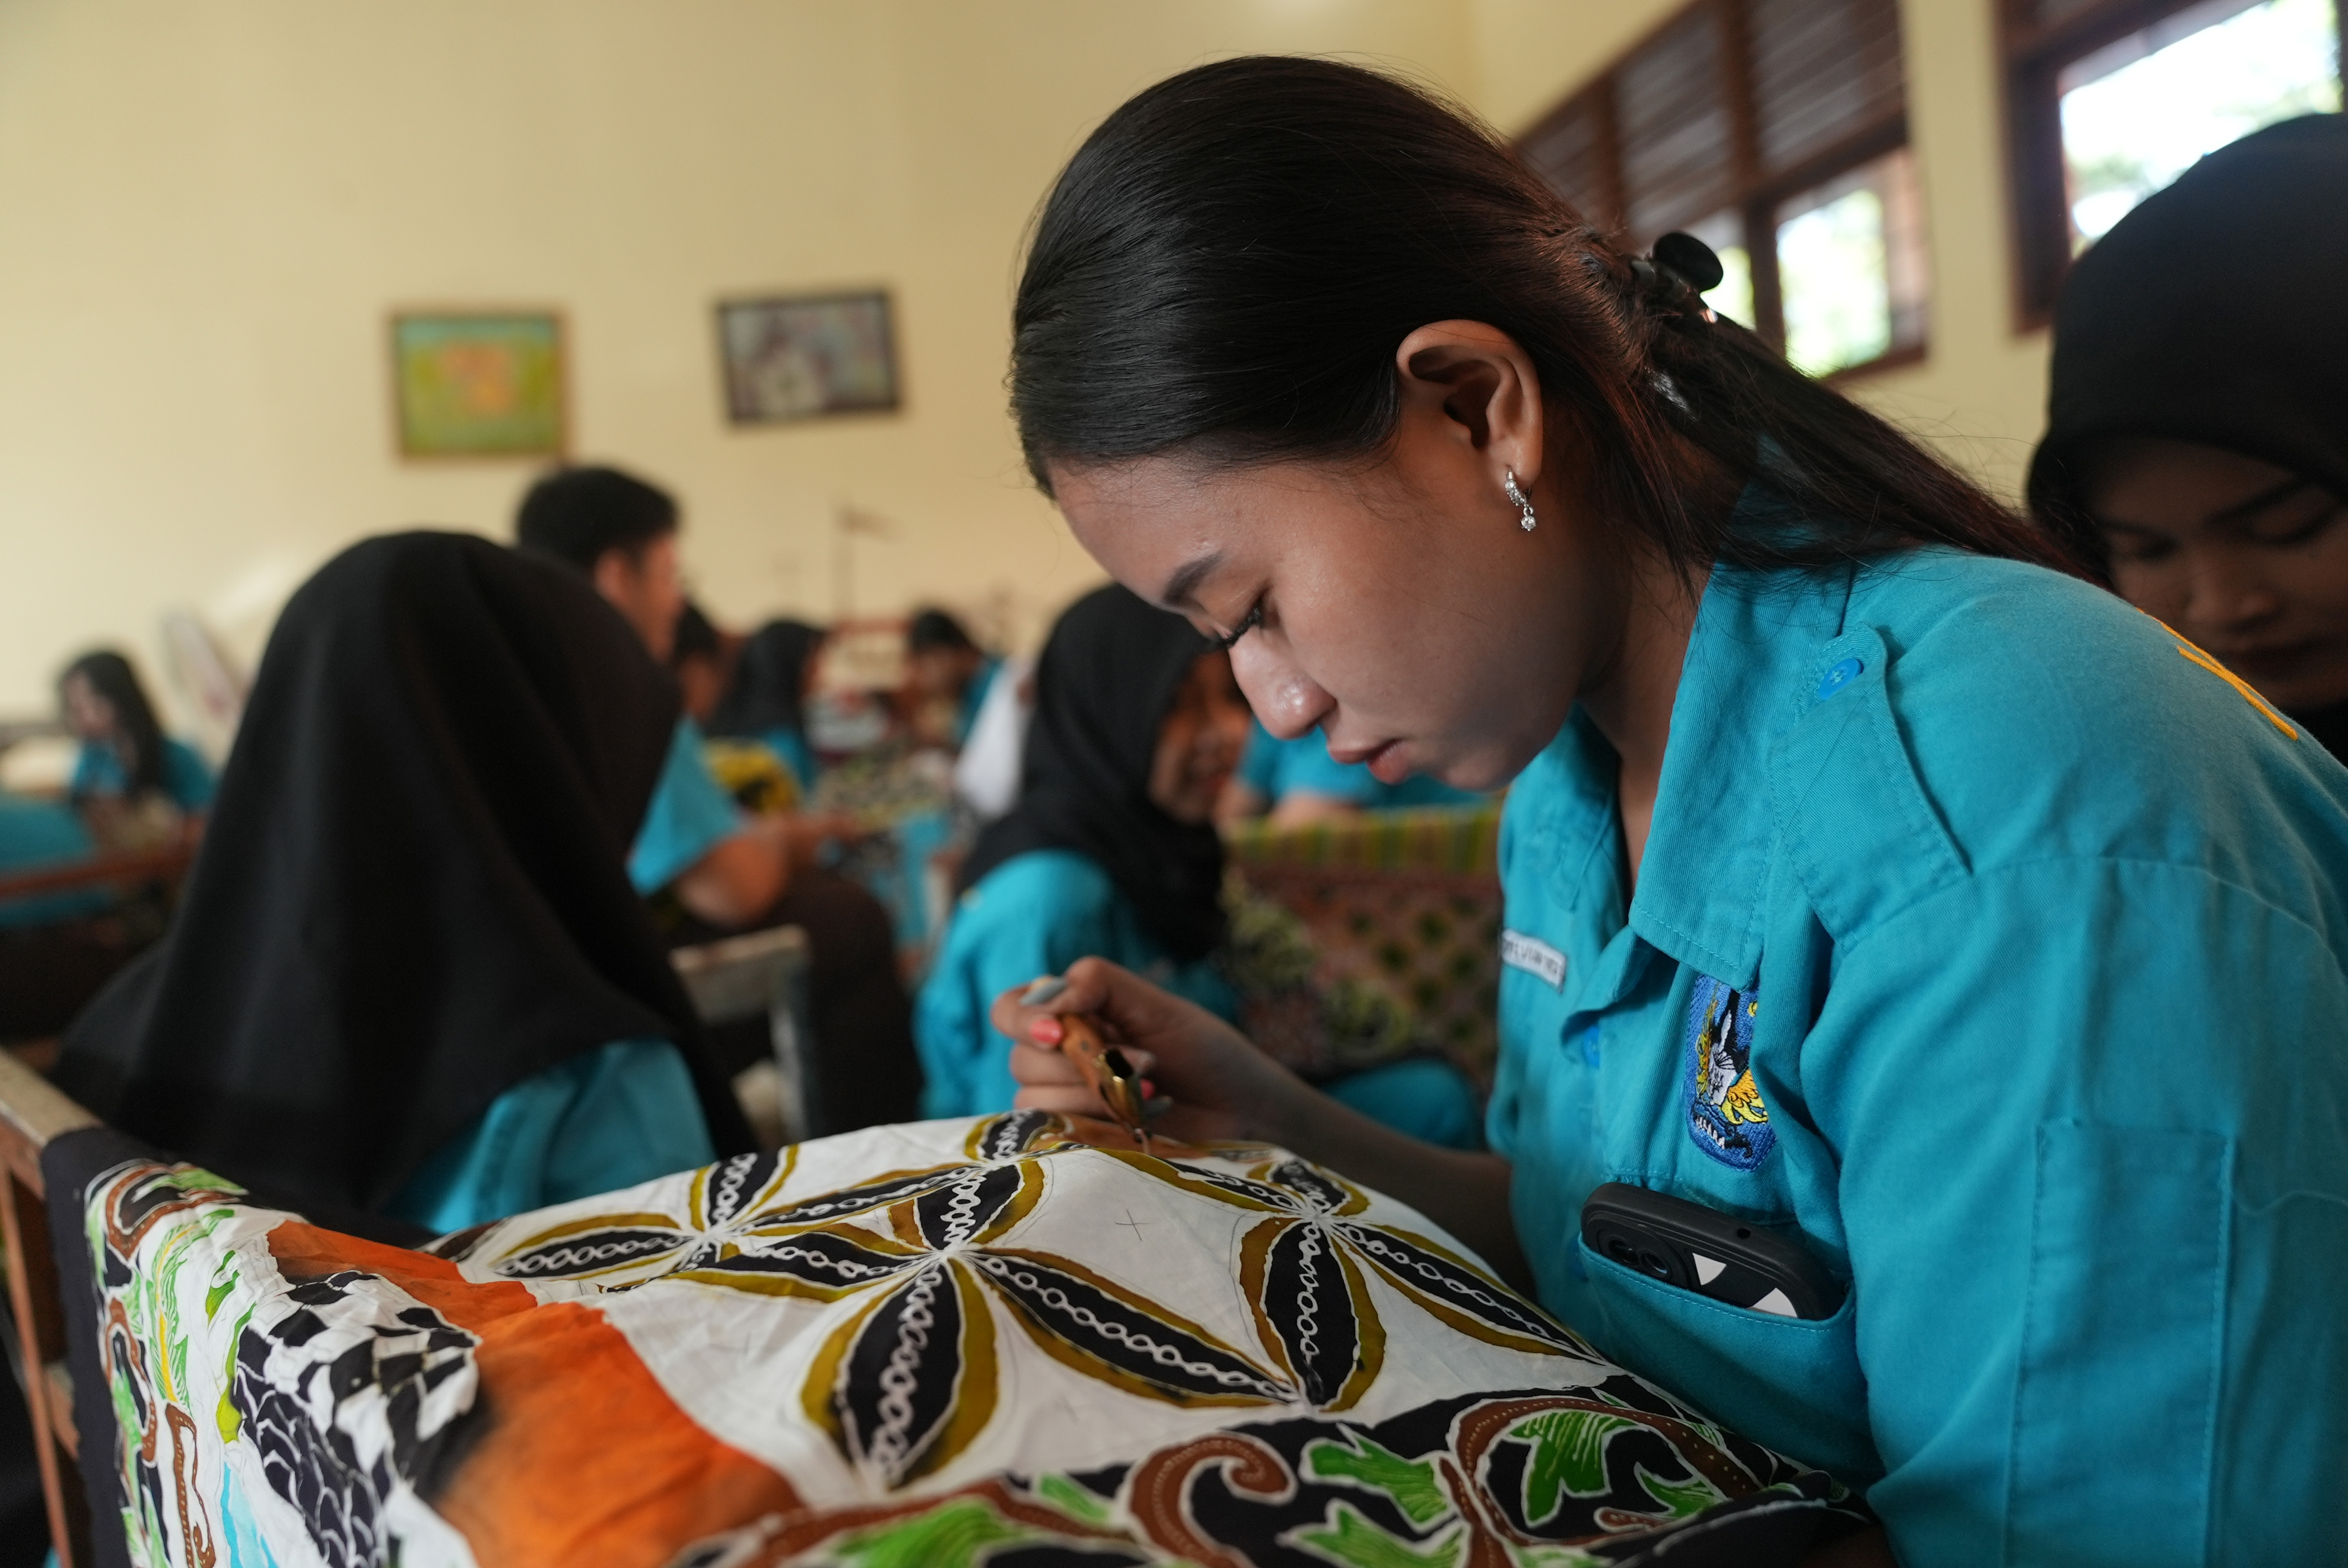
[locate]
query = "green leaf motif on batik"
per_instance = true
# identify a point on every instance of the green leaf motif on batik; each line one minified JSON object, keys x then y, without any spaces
{"x":1569,"y":1456}
{"x":229,"y":1418}
{"x":1680,"y":1497}
{"x":1356,"y":1542}
{"x":1073,"y":1500}
{"x":952,"y":1536}
{"x":1413,"y":1485}
{"x":222,"y":1285}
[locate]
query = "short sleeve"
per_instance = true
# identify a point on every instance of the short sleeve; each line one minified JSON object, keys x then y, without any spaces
{"x":689,"y":815}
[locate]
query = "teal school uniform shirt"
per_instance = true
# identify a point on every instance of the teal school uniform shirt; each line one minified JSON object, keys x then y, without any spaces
{"x":1990,"y":936}
{"x":609,"y":1118}
{"x":689,"y":815}
{"x":187,"y":779}
{"x":1037,"y":913}
{"x":1276,"y":769}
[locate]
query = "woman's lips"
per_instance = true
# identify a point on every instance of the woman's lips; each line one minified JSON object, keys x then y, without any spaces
{"x":1385,"y":760}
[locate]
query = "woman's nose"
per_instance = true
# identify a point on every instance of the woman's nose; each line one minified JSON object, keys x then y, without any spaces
{"x":1286,"y":701}
{"x":2228,"y":592}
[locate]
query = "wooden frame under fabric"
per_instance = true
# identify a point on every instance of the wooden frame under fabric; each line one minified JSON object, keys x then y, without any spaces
{"x":32,"y":1111}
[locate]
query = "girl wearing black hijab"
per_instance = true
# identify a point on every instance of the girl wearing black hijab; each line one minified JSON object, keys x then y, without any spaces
{"x":1112,"y":852}
{"x":766,"y":699}
{"x":2198,"y":432}
{"x":409,"y":976}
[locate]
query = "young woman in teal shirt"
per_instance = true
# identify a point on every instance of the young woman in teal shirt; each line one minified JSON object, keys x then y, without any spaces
{"x":1112,"y":852}
{"x":1870,"y":881}
{"x":409,"y":981}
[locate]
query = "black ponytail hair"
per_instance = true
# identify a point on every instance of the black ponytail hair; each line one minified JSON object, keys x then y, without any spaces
{"x":1227,"y":264}
{"x":138,"y":738}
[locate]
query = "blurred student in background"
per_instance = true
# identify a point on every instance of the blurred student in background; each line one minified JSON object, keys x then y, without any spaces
{"x":410,"y":978}
{"x":1111,"y":852}
{"x":946,"y":679}
{"x":128,"y":768}
{"x":2198,"y":432}
{"x":763,"y":698}
{"x":729,"y":871}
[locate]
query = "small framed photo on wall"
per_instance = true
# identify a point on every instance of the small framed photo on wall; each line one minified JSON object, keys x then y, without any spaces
{"x":803,"y":356}
{"x":479,"y":383}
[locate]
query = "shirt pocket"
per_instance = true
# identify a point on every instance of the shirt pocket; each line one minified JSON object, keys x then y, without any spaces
{"x":1792,"y":1384}
{"x":2116,"y":1407}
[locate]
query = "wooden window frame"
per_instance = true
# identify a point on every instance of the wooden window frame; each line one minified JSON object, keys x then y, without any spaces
{"x":1755,"y":199}
{"x":2031,"y":58}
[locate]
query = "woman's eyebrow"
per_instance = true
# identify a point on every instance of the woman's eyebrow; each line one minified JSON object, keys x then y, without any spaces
{"x":1183,"y":586}
{"x":2242,"y":511}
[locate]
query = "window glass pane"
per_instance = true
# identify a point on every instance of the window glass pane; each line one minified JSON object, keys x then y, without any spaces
{"x":1850,"y":267}
{"x":1733,"y":295}
{"x":2137,"y":114}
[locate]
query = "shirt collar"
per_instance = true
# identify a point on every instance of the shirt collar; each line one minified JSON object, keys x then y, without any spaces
{"x":1704,"y":877}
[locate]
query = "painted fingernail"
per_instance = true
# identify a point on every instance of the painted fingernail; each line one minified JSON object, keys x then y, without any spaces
{"x":1044,"y":991}
{"x":1147,"y":1089}
{"x":1046,"y":1030}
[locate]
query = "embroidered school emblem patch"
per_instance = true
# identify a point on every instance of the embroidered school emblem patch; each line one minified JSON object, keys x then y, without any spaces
{"x":1726,"y":1116}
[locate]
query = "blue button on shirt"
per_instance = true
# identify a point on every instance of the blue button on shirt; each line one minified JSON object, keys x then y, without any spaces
{"x":2037,"y":925}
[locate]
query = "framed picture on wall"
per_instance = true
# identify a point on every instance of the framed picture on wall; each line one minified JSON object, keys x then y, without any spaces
{"x":803,"y":356}
{"x":479,"y":383}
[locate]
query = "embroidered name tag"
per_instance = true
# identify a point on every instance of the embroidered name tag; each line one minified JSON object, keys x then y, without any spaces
{"x":1725,"y":1113}
{"x":1534,"y":956}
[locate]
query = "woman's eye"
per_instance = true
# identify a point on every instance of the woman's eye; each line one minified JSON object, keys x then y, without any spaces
{"x":2139,"y":549}
{"x":1248,"y":623}
{"x":2284,"y":533}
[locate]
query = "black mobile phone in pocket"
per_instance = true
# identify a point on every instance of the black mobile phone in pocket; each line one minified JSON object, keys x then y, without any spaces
{"x":1707,"y":1252}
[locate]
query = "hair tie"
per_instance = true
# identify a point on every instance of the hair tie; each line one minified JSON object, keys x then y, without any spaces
{"x":1676,"y":272}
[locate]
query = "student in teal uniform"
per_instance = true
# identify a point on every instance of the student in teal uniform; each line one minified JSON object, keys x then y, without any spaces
{"x":943,"y":667}
{"x":1870,"y":880}
{"x":409,"y":978}
{"x":727,"y":871}
{"x":124,"y":752}
{"x":1112,"y":852}
{"x":764,"y":697}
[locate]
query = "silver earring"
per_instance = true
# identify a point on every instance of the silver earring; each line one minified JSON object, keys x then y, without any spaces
{"x":1523,"y":504}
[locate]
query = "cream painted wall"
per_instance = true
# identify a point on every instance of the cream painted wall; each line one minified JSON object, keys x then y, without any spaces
{"x":206,"y":212}
{"x":1979,"y":392}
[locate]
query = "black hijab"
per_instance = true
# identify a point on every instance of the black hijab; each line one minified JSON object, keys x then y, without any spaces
{"x":770,"y":681}
{"x":2211,"y":313}
{"x":413,"y":893}
{"x":1108,"y":676}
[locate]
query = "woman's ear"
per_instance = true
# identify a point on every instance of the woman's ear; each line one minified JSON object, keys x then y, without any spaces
{"x":1483,"y":382}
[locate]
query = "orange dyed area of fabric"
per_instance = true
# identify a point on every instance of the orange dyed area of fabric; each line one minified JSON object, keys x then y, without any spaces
{"x":586,"y":1462}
